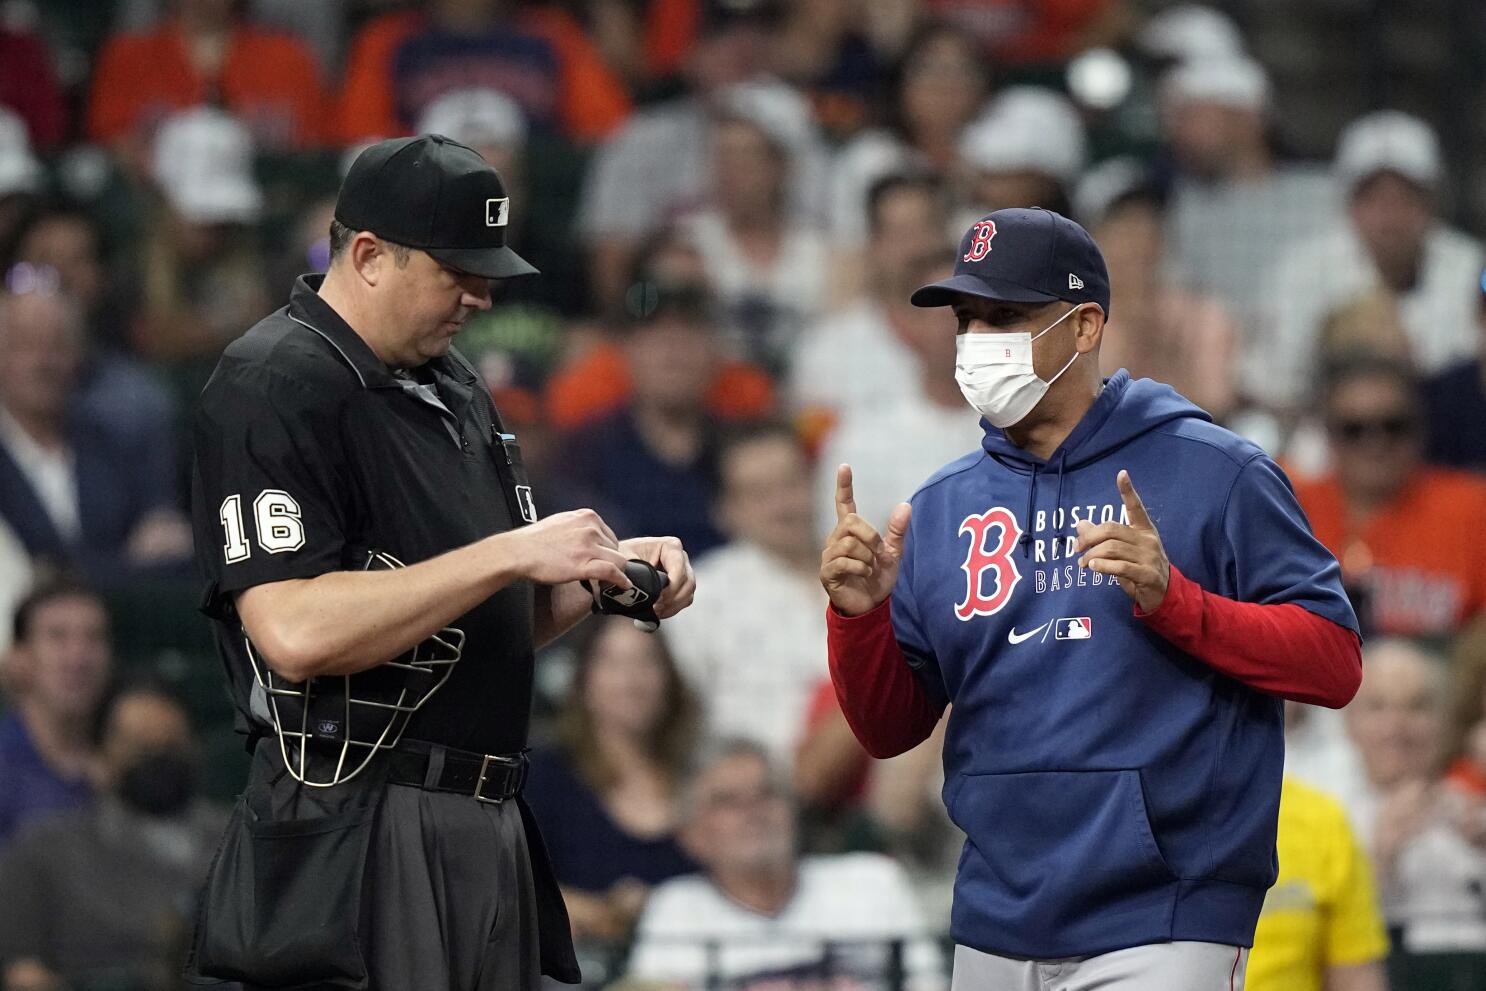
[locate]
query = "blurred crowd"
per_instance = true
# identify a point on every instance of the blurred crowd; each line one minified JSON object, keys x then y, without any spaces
{"x":730,"y":202}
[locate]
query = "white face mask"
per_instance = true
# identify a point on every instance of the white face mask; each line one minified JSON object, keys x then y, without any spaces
{"x":996,"y":375}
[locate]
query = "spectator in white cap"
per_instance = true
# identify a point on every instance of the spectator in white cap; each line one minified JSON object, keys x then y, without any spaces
{"x":767,"y":263}
{"x":203,"y":164}
{"x":21,"y":176}
{"x":1190,"y":32}
{"x":1389,"y":169}
{"x":660,"y":161}
{"x":1233,"y":200}
{"x":1213,"y":111}
{"x":488,"y":121}
{"x":1026,"y":149}
{"x":202,"y":279}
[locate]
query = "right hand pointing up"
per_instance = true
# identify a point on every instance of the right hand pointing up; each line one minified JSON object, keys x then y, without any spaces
{"x":859,"y":566}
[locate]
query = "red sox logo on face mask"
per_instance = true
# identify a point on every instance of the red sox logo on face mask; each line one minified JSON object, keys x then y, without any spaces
{"x":989,"y":564}
{"x":981,"y":245}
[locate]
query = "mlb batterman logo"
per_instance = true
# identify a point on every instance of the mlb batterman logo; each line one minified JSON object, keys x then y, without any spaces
{"x":497,"y":211}
{"x":1075,"y":628}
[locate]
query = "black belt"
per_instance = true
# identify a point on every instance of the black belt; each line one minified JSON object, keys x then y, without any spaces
{"x":488,"y":777}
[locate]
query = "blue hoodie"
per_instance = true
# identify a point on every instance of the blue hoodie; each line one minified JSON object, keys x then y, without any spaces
{"x":1114,"y":790}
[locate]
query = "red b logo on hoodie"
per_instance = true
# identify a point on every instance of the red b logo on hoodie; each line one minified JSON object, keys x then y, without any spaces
{"x":995,"y":558}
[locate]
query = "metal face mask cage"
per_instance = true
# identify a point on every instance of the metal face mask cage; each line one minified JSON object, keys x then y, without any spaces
{"x":330,"y":727}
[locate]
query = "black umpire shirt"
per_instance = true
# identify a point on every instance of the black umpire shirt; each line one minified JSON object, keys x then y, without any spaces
{"x":310,"y":453}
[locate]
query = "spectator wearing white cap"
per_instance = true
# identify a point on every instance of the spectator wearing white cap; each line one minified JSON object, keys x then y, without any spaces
{"x":1026,"y":148}
{"x":1190,"y":32}
{"x":767,"y":263}
{"x":21,"y":176}
{"x":1389,"y":168}
{"x":517,"y":343}
{"x":202,"y":277}
{"x":660,"y":162}
{"x":488,"y":121}
{"x":1233,"y":201}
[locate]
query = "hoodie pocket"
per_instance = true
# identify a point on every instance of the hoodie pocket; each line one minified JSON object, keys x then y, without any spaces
{"x":1056,"y":843}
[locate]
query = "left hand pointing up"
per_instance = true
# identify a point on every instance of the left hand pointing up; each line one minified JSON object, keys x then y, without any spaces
{"x":1132,"y":554}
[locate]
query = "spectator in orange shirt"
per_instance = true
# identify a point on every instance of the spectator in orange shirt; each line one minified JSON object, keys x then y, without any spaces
{"x":597,"y":381}
{"x":206,"y":53}
{"x":1400,"y":529}
{"x":402,"y":62}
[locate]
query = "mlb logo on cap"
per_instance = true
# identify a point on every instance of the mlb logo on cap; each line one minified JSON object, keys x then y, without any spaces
{"x":497,"y":211}
{"x":435,"y":195}
{"x":1075,"y":628}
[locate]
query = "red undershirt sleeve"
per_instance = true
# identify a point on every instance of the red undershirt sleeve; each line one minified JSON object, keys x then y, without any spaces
{"x":1277,"y":648}
{"x":886,"y":706}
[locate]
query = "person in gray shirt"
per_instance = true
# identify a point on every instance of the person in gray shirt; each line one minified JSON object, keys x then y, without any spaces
{"x":103,"y":897}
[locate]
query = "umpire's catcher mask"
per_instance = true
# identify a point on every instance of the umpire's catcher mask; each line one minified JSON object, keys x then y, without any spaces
{"x":330,"y":727}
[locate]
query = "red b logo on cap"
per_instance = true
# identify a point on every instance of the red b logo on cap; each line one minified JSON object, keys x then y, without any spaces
{"x":981,"y":246}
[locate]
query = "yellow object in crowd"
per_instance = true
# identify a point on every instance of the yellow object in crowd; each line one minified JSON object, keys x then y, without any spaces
{"x":1323,"y":910}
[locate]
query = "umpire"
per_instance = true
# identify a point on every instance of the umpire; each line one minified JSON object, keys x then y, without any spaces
{"x":378,"y":580}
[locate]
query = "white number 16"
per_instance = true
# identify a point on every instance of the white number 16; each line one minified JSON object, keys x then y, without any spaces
{"x":276,"y":517}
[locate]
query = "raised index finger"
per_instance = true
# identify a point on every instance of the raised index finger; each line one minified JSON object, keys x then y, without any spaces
{"x":1139,"y":518}
{"x":846,"y":502}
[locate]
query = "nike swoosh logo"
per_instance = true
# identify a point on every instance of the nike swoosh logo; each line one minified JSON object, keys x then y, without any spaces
{"x":1012,"y":636}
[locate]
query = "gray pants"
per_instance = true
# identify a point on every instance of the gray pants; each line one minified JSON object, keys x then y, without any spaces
{"x":450,"y":901}
{"x":1159,"y":967}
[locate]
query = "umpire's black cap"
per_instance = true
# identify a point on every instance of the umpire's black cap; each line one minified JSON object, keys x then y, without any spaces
{"x":436,"y":195}
{"x":1024,"y":255}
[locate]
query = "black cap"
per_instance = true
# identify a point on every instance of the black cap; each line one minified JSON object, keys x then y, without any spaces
{"x":1024,"y":256}
{"x":436,"y":195}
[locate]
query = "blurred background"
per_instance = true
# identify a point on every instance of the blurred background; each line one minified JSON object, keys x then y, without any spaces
{"x":730,"y":201}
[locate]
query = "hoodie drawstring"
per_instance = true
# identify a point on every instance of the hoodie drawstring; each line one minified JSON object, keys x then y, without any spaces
{"x":1026,"y":542}
{"x":1062,"y":472}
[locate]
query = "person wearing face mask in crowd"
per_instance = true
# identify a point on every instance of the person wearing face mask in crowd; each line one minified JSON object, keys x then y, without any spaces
{"x":102,"y":896}
{"x":1117,"y":771}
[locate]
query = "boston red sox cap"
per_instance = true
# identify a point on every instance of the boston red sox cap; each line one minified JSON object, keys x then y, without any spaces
{"x":436,"y":195}
{"x":1024,"y":256}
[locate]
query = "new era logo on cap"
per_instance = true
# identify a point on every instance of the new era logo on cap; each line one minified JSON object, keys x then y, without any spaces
{"x":497,"y":211}
{"x":1074,"y":282}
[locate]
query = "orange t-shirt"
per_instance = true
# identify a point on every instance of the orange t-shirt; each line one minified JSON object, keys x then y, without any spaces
{"x":377,"y":100}
{"x":1419,"y":557}
{"x":598,"y":382}
{"x":268,"y":79}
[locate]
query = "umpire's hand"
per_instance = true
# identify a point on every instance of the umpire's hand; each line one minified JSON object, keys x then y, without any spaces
{"x":859,"y":566}
{"x":568,"y":547}
{"x":667,"y":554}
{"x":1132,"y":554}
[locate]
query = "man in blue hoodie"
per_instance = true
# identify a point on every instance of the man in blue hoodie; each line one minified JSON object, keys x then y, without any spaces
{"x":1116,"y":769}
